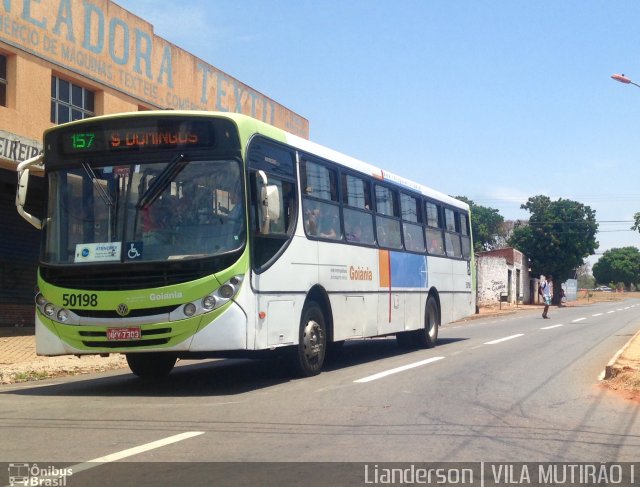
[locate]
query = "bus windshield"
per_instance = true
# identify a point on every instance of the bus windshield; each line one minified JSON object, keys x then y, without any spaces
{"x":135,"y":211}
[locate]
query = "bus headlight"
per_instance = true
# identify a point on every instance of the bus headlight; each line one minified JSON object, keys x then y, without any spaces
{"x":190,"y":309}
{"x":63,"y":315}
{"x":226,"y":291}
{"x":40,"y":299}
{"x":49,"y":309}
{"x":212,"y":301}
{"x":209,"y":302}
{"x":230,"y":288}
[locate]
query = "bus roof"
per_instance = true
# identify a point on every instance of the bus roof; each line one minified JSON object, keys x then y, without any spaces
{"x":250,"y":124}
{"x":372,"y":170}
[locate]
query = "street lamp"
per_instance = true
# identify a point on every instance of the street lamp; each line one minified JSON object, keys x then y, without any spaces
{"x":623,"y":79}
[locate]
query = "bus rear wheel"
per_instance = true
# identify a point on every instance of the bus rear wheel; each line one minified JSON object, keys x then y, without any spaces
{"x":308,"y":356}
{"x":151,"y":365}
{"x":428,"y":336}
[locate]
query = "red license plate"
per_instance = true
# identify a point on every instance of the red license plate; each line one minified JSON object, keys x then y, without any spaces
{"x":123,"y":334}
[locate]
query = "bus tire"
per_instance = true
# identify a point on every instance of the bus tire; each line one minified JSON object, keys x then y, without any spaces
{"x":428,"y":336}
{"x":308,"y":357}
{"x":153,"y":365}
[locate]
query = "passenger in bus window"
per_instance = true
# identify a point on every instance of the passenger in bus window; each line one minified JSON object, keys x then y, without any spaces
{"x":321,"y":224}
{"x":184,"y":213}
{"x":311,"y":220}
{"x":329,"y":226}
{"x":157,"y":224}
{"x":235,"y":213}
{"x":435,"y":242}
{"x":356,"y":234}
{"x":408,"y":242}
{"x":388,"y":233}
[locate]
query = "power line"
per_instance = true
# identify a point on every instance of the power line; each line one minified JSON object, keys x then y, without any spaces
{"x":549,"y":222}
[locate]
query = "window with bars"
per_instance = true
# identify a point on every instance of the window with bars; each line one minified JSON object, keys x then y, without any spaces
{"x":3,"y":80}
{"x":70,"y":101}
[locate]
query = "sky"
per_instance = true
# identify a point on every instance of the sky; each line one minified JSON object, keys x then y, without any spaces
{"x":495,"y":100}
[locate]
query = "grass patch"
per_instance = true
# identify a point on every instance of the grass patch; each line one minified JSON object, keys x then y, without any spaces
{"x":29,"y":375}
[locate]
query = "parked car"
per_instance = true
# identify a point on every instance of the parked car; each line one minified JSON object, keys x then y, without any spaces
{"x":605,"y":289}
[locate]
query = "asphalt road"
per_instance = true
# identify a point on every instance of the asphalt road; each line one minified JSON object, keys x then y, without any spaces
{"x":508,"y":389}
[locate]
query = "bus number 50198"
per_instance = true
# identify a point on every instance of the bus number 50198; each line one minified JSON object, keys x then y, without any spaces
{"x":79,"y":299}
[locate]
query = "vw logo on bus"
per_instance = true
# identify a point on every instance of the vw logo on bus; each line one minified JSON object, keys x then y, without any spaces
{"x":122,"y":309}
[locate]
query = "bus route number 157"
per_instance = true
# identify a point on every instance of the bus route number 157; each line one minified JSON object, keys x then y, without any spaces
{"x":80,"y":299}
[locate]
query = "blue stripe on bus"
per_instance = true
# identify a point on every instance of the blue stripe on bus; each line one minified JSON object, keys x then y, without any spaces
{"x":408,"y":270}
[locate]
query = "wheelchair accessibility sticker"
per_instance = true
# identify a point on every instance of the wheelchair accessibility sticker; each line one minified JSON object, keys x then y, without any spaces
{"x":134,"y":250}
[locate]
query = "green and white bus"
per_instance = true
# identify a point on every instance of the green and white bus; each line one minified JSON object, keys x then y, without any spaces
{"x":173,"y":234}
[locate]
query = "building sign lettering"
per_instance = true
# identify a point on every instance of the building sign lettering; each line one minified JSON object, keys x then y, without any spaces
{"x":106,"y":43}
{"x":17,"y":148}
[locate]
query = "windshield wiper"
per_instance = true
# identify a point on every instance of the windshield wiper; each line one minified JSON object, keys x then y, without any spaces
{"x":162,"y":180}
{"x":94,"y":179}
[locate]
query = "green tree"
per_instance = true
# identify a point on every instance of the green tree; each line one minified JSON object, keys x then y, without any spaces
{"x":636,"y":225}
{"x":585,"y":278}
{"x":486,"y":225}
{"x":618,"y":265}
{"x":557,"y":238}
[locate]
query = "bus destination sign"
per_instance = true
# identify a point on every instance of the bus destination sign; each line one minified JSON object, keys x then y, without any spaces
{"x":167,"y":135}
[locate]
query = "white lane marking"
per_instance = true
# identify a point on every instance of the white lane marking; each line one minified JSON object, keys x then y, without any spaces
{"x":134,"y":451}
{"x":597,"y":314}
{"x":579,"y":319}
{"x":550,"y":327}
{"x":493,"y":342}
{"x":609,"y":312}
{"x":380,"y":375}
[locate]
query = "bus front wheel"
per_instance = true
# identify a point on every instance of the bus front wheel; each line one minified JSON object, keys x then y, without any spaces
{"x":151,"y":365}
{"x":428,"y":336}
{"x":308,"y":356}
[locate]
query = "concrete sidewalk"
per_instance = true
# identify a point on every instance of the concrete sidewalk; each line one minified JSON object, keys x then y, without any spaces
{"x":17,"y":345}
{"x":19,"y":362}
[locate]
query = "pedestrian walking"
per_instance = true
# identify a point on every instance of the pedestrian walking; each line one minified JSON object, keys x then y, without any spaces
{"x":546,"y":287}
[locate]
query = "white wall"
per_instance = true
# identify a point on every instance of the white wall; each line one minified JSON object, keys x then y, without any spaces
{"x":493,"y":275}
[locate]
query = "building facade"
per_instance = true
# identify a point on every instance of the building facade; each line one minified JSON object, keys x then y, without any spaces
{"x":503,"y":276}
{"x":64,"y":60}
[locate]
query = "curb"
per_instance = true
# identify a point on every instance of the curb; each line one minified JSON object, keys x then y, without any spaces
{"x":610,"y":369}
{"x":495,"y":313}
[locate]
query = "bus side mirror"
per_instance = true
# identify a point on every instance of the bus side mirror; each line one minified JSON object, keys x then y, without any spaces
{"x":21,"y":190}
{"x":23,"y":183}
{"x":269,"y":200}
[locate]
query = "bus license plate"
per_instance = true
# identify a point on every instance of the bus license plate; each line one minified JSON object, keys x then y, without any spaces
{"x":123,"y":334}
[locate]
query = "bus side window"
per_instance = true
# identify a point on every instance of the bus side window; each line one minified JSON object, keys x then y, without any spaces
{"x":358,"y":219}
{"x":466,"y":238}
{"x":411,"y":228}
{"x":387,"y":222}
{"x":453,"y":245}
{"x":320,"y":205}
{"x":433,"y":230}
{"x":271,"y":238}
